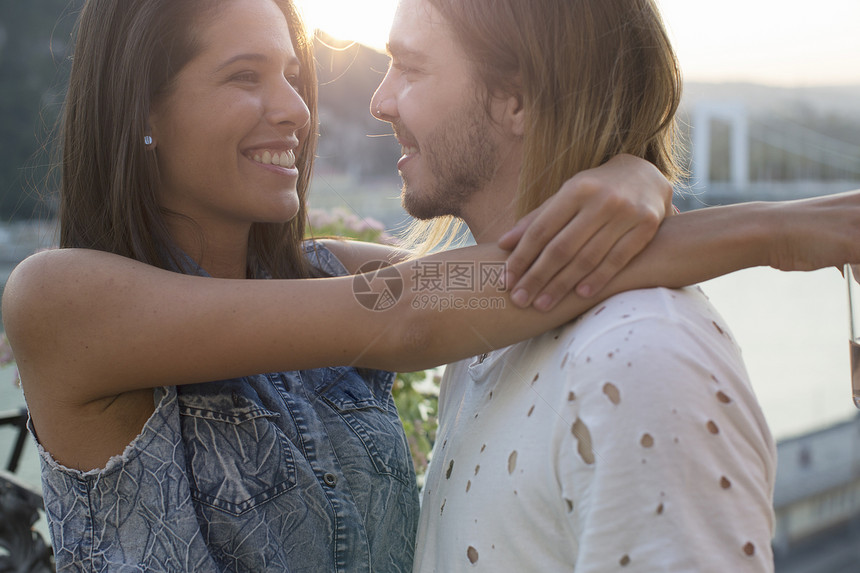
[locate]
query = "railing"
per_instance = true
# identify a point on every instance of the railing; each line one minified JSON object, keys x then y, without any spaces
{"x":22,"y":548}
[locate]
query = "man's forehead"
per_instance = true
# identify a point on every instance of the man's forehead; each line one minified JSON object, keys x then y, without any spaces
{"x":416,"y":29}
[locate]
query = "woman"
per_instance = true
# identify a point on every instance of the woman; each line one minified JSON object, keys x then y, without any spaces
{"x":183,"y":418}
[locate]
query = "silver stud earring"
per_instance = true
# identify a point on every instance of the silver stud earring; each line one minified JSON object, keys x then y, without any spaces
{"x":147,"y":140}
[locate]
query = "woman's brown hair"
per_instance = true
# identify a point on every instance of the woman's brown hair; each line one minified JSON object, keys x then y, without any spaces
{"x":127,"y":55}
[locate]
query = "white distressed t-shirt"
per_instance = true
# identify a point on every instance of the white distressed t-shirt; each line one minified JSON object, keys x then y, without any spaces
{"x":628,"y":440}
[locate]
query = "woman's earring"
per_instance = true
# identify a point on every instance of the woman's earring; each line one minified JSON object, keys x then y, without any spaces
{"x":147,"y":140}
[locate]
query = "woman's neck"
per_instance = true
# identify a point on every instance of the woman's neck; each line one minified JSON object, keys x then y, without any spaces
{"x":221,"y":254}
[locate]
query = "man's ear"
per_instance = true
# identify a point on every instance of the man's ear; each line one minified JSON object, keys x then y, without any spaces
{"x":514,"y":119}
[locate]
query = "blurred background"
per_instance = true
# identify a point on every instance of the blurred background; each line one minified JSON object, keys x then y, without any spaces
{"x":771,"y":110}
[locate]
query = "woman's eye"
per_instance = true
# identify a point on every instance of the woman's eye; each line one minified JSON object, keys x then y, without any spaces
{"x":294,"y":80}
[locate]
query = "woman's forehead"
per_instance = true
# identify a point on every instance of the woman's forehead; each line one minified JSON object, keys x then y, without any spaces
{"x":245,"y":26}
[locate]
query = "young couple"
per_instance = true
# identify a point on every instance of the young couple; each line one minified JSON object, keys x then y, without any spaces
{"x":202,"y":382}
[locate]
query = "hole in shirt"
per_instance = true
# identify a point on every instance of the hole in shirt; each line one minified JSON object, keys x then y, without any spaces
{"x":647,"y":441}
{"x":512,"y":462}
{"x":612,"y":392}
{"x":472,"y":554}
{"x":583,"y":437}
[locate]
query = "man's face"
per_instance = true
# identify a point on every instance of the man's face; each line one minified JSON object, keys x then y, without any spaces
{"x":430,"y":97}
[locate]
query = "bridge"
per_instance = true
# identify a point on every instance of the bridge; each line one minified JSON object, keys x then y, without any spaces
{"x":737,"y":156}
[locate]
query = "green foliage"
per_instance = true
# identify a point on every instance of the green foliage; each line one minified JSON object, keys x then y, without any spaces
{"x":341,"y":223}
{"x":417,"y":397}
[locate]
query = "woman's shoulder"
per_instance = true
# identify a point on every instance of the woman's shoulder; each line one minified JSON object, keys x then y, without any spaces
{"x":30,"y":284}
{"x":53,"y":297}
{"x":42,"y":283}
{"x":57,"y":264}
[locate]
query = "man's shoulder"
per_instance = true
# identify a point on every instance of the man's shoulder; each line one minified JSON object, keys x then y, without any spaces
{"x":634,"y":334}
{"x":643,"y":307}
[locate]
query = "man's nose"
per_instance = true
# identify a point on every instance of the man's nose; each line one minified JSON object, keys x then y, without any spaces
{"x":383,"y":105}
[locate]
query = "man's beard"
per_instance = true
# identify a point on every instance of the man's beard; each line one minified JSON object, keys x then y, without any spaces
{"x":460,"y":158}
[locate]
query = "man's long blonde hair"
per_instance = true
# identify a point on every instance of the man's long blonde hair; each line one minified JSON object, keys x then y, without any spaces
{"x":597,"y":78}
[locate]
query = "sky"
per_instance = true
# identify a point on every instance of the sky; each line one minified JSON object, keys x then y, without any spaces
{"x":776,"y":42}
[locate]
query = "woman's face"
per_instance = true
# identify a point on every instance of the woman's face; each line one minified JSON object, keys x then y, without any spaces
{"x":226,"y":134}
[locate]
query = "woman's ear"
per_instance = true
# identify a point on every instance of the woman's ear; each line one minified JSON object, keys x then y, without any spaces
{"x":151,"y":128}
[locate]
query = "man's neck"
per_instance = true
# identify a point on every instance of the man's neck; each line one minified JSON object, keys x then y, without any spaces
{"x":489,"y":216}
{"x":491,"y":212}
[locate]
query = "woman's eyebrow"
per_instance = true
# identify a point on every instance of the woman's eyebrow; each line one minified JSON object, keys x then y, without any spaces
{"x":253,"y":57}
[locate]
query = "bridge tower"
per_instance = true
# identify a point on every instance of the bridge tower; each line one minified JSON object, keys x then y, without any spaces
{"x":736,"y":116}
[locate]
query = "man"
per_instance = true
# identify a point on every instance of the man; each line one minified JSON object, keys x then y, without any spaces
{"x":631,"y":438}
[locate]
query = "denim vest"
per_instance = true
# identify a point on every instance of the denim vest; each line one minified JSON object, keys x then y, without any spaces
{"x":292,"y":471}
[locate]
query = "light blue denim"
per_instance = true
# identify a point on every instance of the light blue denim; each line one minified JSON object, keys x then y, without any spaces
{"x":288,"y":472}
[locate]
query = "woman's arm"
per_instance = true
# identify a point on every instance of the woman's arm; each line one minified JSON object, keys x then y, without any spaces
{"x":584,"y":234}
{"x":587,"y":232}
{"x":355,"y":254}
{"x":697,"y":246}
{"x":86,"y":324}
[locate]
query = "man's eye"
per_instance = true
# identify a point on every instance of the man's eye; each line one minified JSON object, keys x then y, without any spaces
{"x":403,"y":68}
{"x":247,"y":77}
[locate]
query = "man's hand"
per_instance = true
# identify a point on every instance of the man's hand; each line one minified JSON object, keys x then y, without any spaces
{"x":589,"y":230}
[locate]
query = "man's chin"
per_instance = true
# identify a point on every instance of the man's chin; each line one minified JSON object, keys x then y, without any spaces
{"x":419,"y":206}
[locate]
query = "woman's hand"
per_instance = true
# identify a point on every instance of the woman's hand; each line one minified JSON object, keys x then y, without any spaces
{"x":588,"y":231}
{"x":814,"y":233}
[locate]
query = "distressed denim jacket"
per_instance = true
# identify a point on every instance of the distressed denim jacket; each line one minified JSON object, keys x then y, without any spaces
{"x":291,"y":471}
